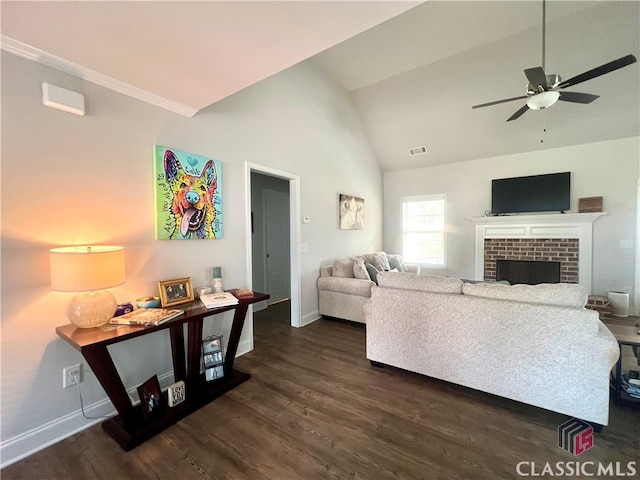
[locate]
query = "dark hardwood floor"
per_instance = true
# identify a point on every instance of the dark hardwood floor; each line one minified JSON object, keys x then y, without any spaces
{"x":315,"y":408}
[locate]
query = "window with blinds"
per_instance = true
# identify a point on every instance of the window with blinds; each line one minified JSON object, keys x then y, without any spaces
{"x":423,"y":230}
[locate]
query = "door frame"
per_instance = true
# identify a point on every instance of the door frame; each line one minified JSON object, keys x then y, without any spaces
{"x":295,"y":275}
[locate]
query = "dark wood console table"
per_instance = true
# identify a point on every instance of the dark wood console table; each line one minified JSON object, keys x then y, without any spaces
{"x":625,"y":335}
{"x":129,"y":428}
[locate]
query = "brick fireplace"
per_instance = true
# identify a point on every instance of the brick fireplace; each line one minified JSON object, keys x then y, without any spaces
{"x":564,"y":238}
{"x":562,"y":250}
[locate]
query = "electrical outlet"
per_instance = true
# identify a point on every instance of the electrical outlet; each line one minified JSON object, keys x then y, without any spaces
{"x":71,"y":375}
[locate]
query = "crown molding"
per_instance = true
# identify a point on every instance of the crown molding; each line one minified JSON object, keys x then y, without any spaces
{"x":24,"y":50}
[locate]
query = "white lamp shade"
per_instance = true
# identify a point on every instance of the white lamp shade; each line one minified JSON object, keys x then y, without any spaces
{"x":543,"y":100}
{"x":82,"y":269}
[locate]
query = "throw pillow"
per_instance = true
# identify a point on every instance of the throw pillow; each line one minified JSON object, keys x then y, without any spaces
{"x":359,"y":270}
{"x":395,"y":261}
{"x":373,"y":272}
{"x":343,"y":268}
{"x":380,"y":261}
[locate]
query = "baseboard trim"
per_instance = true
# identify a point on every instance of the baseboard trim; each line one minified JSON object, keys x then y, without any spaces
{"x":309,"y":318}
{"x":27,"y":443}
{"x":244,"y":347}
{"x":39,"y":438}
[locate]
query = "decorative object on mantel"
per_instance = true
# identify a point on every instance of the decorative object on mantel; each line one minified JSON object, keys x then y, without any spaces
{"x":590,"y":204}
{"x":217,"y":279}
{"x":175,"y":292}
{"x":351,"y":212}
{"x":89,"y":270}
{"x":188,"y":195}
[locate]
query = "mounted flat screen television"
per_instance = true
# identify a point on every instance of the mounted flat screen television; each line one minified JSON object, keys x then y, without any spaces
{"x":537,"y":193}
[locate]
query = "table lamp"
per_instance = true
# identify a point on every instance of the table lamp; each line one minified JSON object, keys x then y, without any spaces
{"x":88,"y":270}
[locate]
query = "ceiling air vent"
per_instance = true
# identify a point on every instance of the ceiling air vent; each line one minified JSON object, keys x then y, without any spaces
{"x":418,"y":150}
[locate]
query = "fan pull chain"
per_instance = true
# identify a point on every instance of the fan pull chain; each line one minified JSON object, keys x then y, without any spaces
{"x":544,"y":125}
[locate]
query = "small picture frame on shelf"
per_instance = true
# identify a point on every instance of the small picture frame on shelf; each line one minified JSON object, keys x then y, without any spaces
{"x":213,"y":357}
{"x":176,"y":292}
{"x":150,"y":398}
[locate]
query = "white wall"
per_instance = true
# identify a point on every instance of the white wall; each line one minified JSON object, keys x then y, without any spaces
{"x":608,"y":169}
{"x":88,"y":180}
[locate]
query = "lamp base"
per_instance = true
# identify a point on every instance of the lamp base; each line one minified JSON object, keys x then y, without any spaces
{"x":91,"y":309}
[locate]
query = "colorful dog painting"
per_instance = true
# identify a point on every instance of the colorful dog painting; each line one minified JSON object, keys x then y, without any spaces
{"x":188,"y":195}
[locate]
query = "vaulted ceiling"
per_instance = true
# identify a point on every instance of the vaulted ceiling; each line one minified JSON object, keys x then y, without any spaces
{"x":413,"y":70}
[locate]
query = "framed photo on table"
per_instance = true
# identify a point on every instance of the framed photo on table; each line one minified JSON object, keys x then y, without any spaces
{"x":150,"y":398}
{"x":175,"y":292}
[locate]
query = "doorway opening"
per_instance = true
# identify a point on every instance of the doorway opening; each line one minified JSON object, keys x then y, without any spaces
{"x":274,"y":233}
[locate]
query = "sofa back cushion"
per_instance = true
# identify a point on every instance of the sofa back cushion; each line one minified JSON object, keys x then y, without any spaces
{"x":359,"y":270}
{"x":561,"y":294}
{"x":343,"y":268}
{"x":427,"y":283}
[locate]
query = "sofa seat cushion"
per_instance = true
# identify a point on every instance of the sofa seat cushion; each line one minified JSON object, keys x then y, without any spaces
{"x":560,"y":294}
{"x":347,"y":286}
{"x":426,"y":283}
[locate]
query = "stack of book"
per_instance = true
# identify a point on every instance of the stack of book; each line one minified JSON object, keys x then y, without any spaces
{"x":146,"y":317}
{"x":214,"y":300}
{"x":631,"y":386}
{"x":242,"y":293}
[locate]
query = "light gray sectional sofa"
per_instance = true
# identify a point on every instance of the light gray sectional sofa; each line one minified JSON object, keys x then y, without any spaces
{"x":345,"y":285}
{"x":534,"y":344}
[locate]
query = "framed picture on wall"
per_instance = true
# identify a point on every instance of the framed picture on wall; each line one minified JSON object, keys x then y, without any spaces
{"x":175,"y":292}
{"x":351,"y":212}
{"x":188,"y":195}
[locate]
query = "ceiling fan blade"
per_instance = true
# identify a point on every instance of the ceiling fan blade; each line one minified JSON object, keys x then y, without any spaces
{"x":536,"y":77}
{"x":500,"y":101}
{"x":518,"y":114}
{"x":576,"y":97}
{"x":598,"y":71}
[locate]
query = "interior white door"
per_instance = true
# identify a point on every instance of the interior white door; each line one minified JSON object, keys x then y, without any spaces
{"x":276,"y":231}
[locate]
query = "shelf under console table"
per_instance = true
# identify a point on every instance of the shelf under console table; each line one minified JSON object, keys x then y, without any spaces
{"x":129,"y":428}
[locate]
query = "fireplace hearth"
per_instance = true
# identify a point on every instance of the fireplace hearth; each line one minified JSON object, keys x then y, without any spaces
{"x":527,"y":271}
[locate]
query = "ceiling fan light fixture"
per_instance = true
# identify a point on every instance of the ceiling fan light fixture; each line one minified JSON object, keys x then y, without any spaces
{"x":543,"y":100}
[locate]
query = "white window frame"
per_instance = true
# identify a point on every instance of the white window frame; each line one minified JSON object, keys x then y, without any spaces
{"x":426,"y":198}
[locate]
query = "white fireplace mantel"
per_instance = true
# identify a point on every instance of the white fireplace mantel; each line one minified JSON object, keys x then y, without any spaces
{"x":567,"y":225}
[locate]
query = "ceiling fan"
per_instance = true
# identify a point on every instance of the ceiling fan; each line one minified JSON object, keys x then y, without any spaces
{"x":544,"y":90}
